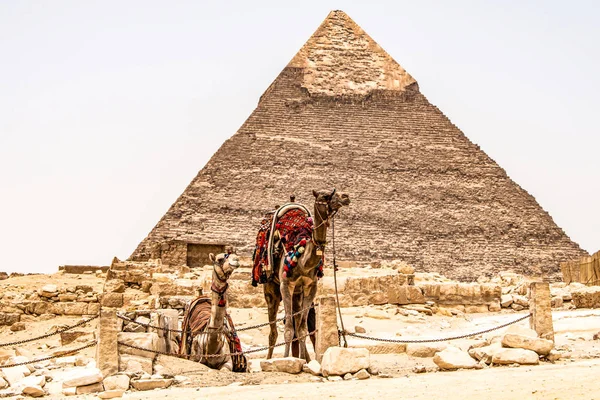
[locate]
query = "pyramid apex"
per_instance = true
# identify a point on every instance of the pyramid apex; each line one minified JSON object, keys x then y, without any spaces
{"x":340,"y":58}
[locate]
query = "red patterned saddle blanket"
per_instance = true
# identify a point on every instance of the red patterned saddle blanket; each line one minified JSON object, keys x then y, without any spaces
{"x":290,"y":228}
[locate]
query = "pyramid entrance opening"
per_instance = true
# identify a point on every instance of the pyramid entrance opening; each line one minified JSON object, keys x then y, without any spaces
{"x":197,"y":253}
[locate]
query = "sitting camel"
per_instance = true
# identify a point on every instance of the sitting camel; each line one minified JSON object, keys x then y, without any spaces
{"x":297,"y":286}
{"x":207,"y":329}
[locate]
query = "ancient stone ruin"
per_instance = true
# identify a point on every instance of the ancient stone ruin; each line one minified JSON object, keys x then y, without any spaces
{"x":344,"y":114}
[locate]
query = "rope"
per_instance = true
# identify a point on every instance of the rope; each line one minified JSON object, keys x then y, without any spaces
{"x":164,"y":353}
{"x":441,"y":339}
{"x":337,"y":299}
{"x":59,"y":331}
{"x":92,"y":344}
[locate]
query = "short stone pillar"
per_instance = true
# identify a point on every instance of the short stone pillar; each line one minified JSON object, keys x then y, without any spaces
{"x":107,"y":350}
{"x":541,"y":310}
{"x":327,"y":335}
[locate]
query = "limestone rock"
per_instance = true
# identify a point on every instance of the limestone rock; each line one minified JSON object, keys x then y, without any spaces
{"x":151,"y":384}
{"x":148,"y":341}
{"x":424,"y":350}
{"x":586,"y":297}
{"x":506,"y":300}
{"x":110,"y":299}
{"x":93,"y":388}
{"x":312,"y":367}
{"x":520,"y":300}
{"x":3,"y":383}
{"x":494,"y":306}
{"x":476,"y":309}
{"x":18,"y":326}
{"x":515,"y":356}
{"x":69,"y":336}
{"x":485,"y":353}
{"x":362,"y":374}
{"x":33,"y":391}
{"x":49,"y":291}
{"x":14,"y":374}
{"x":454,"y":358}
{"x":111,"y":394}
{"x":527,"y":339}
{"x":116,"y":382}
{"x":291,"y":365}
{"x":133,"y":364}
{"x":556,"y":302}
{"x":9,"y":318}
{"x":114,"y":286}
{"x":340,"y":360}
{"x":82,"y":377}
{"x":360,"y":329}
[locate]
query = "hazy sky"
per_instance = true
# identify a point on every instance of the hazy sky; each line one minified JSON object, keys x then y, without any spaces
{"x":108,"y":109}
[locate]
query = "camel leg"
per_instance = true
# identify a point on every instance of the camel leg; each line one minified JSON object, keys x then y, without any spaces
{"x":303,"y":328}
{"x":228,"y":364}
{"x":273,"y":299}
{"x":287,"y":292}
{"x":296,"y":306}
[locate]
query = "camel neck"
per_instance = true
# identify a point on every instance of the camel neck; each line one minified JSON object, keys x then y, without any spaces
{"x":320,"y":233}
{"x":217,"y":313}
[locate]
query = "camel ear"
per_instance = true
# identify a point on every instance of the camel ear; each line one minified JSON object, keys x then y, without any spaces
{"x":315,"y":193}
{"x":212,"y":257}
{"x":332,"y":193}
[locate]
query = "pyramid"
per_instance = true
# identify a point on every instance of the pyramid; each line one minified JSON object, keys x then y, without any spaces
{"x":344,"y":114}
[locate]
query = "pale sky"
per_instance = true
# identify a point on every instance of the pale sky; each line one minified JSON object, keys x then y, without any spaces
{"x":108,"y":109}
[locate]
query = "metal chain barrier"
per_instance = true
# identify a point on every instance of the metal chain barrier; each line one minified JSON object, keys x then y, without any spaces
{"x":213,"y":355}
{"x":437,"y":340}
{"x":92,"y":344}
{"x":247,"y":328}
{"x":58,"y":331}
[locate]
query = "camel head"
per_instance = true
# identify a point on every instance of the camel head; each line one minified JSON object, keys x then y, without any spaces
{"x":224,"y":264}
{"x":330,"y":201}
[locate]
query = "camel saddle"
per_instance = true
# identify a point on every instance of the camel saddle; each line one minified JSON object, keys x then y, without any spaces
{"x":279,"y":230}
{"x":195,"y":321}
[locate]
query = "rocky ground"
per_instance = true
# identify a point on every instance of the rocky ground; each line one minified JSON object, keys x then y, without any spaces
{"x":413,"y":368}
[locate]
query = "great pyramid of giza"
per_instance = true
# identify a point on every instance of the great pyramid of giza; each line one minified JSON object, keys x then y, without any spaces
{"x":344,"y":114}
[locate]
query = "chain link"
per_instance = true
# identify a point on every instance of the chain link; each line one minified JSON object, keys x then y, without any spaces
{"x":92,"y":344}
{"x":247,"y":328}
{"x":437,"y":340}
{"x":214,"y":355}
{"x":58,"y":331}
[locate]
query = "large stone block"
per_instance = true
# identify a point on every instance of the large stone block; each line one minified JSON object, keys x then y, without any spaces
{"x":9,"y":318}
{"x":111,"y":300}
{"x":586,"y":297}
{"x":453,"y":358}
{"x":291,"y":365}
{"x":134,"y":364}
{"x":82,"y":377}
{"x":515,"y":356}
{"x":149,"y":341}
{"x":340,"y":361}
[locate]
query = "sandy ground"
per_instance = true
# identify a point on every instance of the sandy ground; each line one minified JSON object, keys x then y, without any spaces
{"x":579,"y":381}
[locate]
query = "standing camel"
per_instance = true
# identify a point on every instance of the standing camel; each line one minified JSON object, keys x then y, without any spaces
{"x":297,"y":286}
{"x":205,"y":331}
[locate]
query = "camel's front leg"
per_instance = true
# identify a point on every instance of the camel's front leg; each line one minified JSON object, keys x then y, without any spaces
{"x":287,"y":292}
{"x":228,"y":365}
{"x":309,"y":297}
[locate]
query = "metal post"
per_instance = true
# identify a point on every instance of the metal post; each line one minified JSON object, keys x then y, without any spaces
{"x":541,"y":310}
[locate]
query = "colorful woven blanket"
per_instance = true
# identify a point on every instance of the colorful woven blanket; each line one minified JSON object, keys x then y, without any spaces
{"x":294,"y":229}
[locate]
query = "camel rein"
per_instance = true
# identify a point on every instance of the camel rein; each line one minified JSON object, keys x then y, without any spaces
{"x":331,"y":217}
